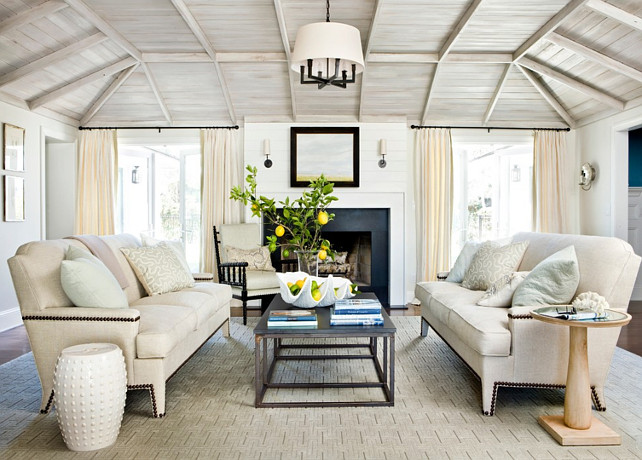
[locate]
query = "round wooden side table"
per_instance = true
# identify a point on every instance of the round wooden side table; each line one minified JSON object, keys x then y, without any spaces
{"x":577,"y":427}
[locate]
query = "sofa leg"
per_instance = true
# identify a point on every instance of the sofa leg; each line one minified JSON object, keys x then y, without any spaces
{"x":157,"y":396}
{"x":424,"y":327}
{"x":226,"y":328}
{"x":47,"y":401}
{"x":597,"y":394}
{"x":489,"y":395}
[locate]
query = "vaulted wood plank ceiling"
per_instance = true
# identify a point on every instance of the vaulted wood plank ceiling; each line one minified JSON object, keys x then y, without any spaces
{"x":552,"y":63}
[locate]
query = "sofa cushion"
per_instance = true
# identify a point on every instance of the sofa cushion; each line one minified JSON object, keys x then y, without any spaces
{"x":439,"y":296}
{"x":491,"y":262}
{"x":158,"y":268}
{"x":88,"y":282}
{"x":162,"y":327}
{"x":203,"y":305}
{"x":552,"y":282}
{"x":221,"y":292}
{"x":485,"y":330}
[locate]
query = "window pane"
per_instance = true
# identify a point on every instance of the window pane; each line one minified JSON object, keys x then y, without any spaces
{"x":167,"y":184}
{"x":193,"y":209}
{"x":132,"y":214}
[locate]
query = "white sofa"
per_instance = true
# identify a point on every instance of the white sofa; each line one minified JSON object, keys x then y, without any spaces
{"x":506,"y":346}
{"x":157,"y":334}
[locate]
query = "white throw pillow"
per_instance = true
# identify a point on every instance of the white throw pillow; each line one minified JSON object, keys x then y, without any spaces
{"x":491,"y":263}
{"x":88,"y":282}
{"x":257,"y":259}
{"x":553,"y":281}
{"x":176,"y":245}
{"x":463,"y":261}
{"x":158,"y":269}
{"x":500,"y":294}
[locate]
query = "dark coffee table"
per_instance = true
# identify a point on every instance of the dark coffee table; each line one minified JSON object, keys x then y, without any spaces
{"x":264,"y":367}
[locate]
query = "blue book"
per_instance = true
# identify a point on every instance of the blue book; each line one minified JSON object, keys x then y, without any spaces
{"x":351,"y":322}
{"x":292,"y":315}
{"x":357,"y":304}
{"x":357,"y":311}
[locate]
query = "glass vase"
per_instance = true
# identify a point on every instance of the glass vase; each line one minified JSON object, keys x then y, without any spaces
{"x":308,"y":262}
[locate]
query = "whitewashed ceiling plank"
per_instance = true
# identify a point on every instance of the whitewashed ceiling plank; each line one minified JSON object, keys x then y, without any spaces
{"x":498,"y":91}
{"x":278,"y":9}
{"x":431,"y":91}
{"x":366,"y":55}
{"x":104,"y":97}
{"x":459,"y":28}
{"x":28,"y":16}
{"x":156,"y":91}
{"x":548,"y":96}
{"x":616,"y":13}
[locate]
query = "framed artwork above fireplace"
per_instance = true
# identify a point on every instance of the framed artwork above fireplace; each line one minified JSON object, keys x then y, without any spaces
{"x":333,"y":152}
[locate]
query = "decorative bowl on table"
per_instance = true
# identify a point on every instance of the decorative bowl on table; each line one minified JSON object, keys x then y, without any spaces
{"x":331,"y":289}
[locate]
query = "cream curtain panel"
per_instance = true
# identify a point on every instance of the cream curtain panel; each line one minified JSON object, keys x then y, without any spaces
{"x":433,"y":201}
{"x":97,"y":180}
{"x":221,"y":170}
{"x":551,"y":212}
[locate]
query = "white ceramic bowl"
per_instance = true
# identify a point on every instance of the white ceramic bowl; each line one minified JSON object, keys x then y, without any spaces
{"x":304,"y":298}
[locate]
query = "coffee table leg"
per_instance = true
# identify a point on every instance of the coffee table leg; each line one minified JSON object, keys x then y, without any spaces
{"x":385,"y":360}
{"x":577,"y":399}
{"x":392,"y":368}
{"x":257,"y":371}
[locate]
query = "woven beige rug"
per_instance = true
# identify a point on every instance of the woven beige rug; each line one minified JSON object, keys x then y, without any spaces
{"x":437,"y":412}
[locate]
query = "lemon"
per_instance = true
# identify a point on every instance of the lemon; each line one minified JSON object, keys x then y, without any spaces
{"x":300,"y":283}
{"x":255,"y":207}
{"x":279,"y":231}
{"x":290,"y":283}
{"x":323,"y":254}
{"x":286,"y":253}
{"x":322,"y":217}
{"x":316,"y":295}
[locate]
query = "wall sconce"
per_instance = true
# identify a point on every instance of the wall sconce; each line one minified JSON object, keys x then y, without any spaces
{"x":587,"y":176}
{"x":383,"y":151}
{"x":516,"y":174}
{"x":135,"y":178}
{"x":266,"y":151}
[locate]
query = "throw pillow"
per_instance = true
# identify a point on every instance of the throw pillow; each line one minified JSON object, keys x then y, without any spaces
{"x":176,"y":245}
{"x":500,"y":294}
{"x":88,"y":282}
{"x":552,"y":282}
{"x":158,"y":269}
{"x":463,"y":261}
{"x":491,"y":263}
{"x":257,"y":259}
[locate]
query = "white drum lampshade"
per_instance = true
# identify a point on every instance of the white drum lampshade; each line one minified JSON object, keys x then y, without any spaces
{"x":323,"y":42}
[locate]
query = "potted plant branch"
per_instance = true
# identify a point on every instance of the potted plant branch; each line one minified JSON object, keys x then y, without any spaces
{"x":297,"y":223}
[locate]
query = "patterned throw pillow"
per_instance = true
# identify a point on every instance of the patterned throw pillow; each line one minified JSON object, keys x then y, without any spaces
{"x":500,"y":294}
{"x":158,"y":269}
{"x":491,"y":263}
{"x":175,"y":245}
{"x":257,"y":259}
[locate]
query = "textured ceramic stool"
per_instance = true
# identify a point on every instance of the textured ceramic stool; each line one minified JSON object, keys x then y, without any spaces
{"x":90,"y":385}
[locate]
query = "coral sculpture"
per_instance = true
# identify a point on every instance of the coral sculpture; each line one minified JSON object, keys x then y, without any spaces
{"x":591,"y":301}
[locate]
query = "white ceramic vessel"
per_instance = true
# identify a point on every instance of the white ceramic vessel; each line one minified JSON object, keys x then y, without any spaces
{"x":304,"y":298}
{"x":90,"y":386}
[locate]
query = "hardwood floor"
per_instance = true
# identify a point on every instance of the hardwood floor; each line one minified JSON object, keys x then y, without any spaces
{"x":14,"y":342}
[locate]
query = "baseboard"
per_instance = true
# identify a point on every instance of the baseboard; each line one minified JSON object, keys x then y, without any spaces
{"x":10,"y":318}
{"x":637,"y":293}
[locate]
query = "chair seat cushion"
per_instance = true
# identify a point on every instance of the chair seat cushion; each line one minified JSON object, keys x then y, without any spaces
{"x":261,"y":279}
{"x":162,"y":327}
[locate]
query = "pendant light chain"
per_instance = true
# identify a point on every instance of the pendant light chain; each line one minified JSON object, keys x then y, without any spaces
{"x":327,"y":14}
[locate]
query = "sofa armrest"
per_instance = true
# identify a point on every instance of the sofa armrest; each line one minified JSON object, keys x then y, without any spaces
{"x":203,"y":277}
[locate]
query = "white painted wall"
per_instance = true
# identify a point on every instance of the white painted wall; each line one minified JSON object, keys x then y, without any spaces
{"x":60,"y":189}
{"x":13,"y":234}
{"x":378,"y":187}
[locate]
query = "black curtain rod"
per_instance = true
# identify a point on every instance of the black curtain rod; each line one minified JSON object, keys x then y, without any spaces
{"x":159,"y":128}
{"x":489,"y":128}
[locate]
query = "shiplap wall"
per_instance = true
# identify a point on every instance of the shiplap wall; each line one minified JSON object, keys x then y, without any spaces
{"x":393,"y":184}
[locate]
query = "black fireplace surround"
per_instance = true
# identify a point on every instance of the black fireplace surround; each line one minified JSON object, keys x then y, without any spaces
{"x":375,"y":221}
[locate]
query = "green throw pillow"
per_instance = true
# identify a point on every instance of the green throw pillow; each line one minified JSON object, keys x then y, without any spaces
{"x":552,"y":282}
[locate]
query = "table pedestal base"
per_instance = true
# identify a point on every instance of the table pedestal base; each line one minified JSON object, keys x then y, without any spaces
{"x":597,"y":435}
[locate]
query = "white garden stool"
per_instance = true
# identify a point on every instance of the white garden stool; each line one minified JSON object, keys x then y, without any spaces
{"x":90,"y":385}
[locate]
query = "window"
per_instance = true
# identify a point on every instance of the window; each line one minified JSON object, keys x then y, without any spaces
{"x":492,"y":185}
{"x":159,"y":194}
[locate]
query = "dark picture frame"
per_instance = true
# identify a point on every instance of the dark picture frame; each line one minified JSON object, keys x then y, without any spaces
{"x":14,"y":199}
{"x":333,"y":152}
{"x":14,"y":148}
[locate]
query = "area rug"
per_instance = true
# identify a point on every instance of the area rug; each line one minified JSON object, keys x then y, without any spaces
{"x":437,"y":411}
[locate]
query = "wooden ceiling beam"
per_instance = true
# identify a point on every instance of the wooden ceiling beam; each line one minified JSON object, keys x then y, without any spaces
{"x":52,"y":58}
{"x":498,"y":91}
{"x":176,"y":57}
{"x":616,"y":13}
{"x":431,"y":92}
{"x":31,"y":15}
{"x":280,"y":17}
{"x":366,"y":55}
{"x":156,"y":91}
{"x":548,"y":97}
{"x":104,"y":97}
{"x":461,"y":25}
{"x":74,"y":85}
{"x":200,"y":35}
{"x":99,"y":23}
{"x":563,"y":14}
{"x":433,"y":58}
{"x":572,"y":83}
{"x":595,"y":56}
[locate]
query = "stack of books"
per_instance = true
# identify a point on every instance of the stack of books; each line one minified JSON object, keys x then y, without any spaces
{"x":292,"y":319}
{"x":356,"y":312}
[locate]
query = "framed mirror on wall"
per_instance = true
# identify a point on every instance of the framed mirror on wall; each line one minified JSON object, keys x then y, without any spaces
{"x":333,"y":152}
{"x":14,"y":148}
{"x":14,"y":202}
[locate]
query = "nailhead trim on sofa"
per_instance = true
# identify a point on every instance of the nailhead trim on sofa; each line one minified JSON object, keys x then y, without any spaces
{"x":520,"y":316}
{"x":78,"y":318}
{"x":150,"y":387}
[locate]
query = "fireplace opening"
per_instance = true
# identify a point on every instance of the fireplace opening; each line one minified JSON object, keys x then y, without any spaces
{"x":353,"y":257}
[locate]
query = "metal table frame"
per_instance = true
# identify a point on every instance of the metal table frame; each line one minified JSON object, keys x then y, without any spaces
{"x":384,"y":367}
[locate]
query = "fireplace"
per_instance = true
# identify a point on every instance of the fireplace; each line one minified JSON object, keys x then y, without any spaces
{"x":364,"y":233}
